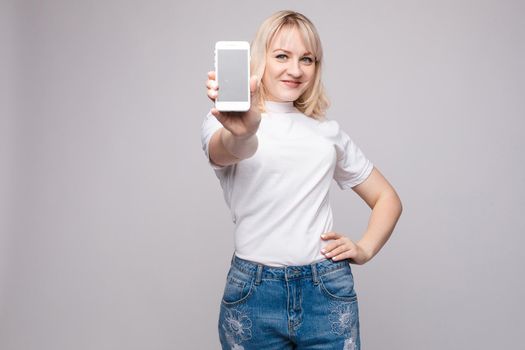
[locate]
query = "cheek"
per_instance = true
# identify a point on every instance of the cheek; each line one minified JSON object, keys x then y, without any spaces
{"x":311,"y":77}
{"x":273,"y":73}
{"x":311,"y":73}
{"x":269,"y":72}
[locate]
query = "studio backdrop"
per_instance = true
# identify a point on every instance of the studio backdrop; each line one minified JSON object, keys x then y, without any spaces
{"x":114,"y":230}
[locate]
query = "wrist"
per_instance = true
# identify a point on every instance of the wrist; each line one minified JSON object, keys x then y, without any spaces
{"x":367,"y":249}
{"x":244,"y":138}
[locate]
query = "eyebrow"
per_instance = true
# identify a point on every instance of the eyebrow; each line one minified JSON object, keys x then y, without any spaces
{"x":306,"y":53}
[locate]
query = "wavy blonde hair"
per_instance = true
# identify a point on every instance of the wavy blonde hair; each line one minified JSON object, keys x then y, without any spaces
{"x":313,"y":102}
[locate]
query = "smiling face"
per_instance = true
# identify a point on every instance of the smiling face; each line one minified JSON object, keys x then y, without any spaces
{"x":290,"y":67}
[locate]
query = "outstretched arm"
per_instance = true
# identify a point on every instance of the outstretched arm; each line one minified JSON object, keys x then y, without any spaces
{"x":237,"y":139}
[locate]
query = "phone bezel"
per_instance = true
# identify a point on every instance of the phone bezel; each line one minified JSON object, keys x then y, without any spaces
{"x":235,"y":106}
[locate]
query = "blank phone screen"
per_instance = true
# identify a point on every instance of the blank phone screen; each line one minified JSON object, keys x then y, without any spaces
{"x":233,"y":75}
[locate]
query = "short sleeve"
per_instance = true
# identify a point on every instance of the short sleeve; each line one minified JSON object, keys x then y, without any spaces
{"x":209,"y":126}
{"x":352,"y":166}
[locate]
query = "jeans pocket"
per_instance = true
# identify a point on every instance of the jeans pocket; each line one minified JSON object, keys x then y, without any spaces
{"x":238,"y":287}
{"x":339,"y":284}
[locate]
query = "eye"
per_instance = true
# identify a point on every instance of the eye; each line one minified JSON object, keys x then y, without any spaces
{"x":281,"y":56}
{"x":308,"y":60}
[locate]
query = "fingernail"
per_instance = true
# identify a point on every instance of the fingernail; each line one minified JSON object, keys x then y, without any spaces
{"x":323,"y":236}
{"x":323,"y":251}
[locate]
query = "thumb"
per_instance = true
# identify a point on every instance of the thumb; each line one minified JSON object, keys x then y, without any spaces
{"x":254,"y":90}
{"x":254,"y":84}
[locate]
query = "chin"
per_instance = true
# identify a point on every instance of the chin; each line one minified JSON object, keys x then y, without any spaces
{"x":288,"y":97}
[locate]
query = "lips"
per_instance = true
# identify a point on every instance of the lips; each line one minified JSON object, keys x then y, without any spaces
{"x":291,"y":83}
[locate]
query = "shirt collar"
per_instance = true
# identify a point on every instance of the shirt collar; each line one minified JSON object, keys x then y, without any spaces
{"x":279,"y":107}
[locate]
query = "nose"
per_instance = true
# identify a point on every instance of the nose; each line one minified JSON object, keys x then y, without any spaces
{"x":294,"y":69}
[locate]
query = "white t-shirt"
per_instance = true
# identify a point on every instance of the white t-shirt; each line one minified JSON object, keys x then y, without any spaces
{"x":279,"y":197}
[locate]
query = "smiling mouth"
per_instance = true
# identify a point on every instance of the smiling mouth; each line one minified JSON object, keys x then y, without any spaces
{"x":291,"y":83}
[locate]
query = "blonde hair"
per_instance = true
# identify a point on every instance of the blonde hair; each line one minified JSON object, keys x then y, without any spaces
{"x":313,"y":102}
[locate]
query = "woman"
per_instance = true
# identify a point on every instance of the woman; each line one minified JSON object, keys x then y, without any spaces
{"x":290,"y":284}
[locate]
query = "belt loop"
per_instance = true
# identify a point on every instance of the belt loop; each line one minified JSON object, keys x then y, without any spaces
{"x":259,"y":274}
{"x":315,"y":277}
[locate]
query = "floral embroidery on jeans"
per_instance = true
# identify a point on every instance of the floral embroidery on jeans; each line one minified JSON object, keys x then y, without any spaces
{"x":237,"y":328}
{"x":343,"y":323}
{"x":341,"y":318}
{"x":349,"y":344}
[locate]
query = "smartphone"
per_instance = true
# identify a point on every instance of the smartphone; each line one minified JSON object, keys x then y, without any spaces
{"x":232,"y":71}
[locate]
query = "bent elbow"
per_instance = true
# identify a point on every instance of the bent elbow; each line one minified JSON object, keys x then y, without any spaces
{"x":397,"y":205}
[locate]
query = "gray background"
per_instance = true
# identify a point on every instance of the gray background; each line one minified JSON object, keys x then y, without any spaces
{"x":114,"y":231}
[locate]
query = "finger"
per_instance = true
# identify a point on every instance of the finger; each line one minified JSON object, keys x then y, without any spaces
{"x":211,"y":75}
{"x":340,"y":249}
{"x":328,"y":249}
{"x":212,"y":94}
{"x":349,"y":254}
{"x":221,"y":116}
{"x":212,"y":84}
{"x":216,"y":113}
{"x":330,"y":235}
{"x":333,"y":245}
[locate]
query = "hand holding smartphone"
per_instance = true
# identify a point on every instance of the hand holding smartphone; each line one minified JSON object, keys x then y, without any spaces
{"x":232,"y":69}
{"x":233,"y":102}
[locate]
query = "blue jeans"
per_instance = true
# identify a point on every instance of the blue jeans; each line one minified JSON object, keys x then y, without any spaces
{"x":293,"y":307}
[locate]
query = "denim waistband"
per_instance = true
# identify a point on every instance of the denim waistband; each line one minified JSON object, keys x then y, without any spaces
{"x":261,"y":271}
